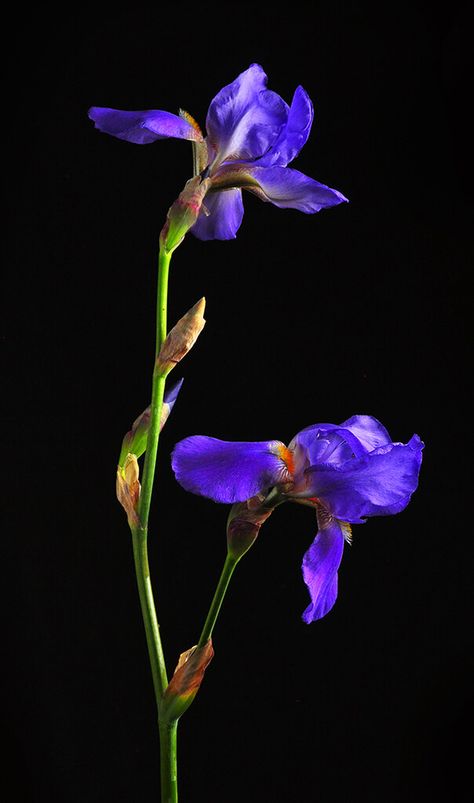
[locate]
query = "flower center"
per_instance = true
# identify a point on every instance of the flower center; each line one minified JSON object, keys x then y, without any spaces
{"x":287,"y":456}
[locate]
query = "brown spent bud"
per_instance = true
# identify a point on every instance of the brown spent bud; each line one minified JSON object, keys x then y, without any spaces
{"x":243,"y":525}
{"x":181,"y":338}
{"x":187,"y":678}
{"x":128,"y":488}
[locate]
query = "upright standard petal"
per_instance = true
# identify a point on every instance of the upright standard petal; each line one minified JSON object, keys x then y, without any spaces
{"x":228,"y":471}
{"x":328,"y":443}
{"x":369,"y":432}
{"x":378,"y":484}
{"x":225,"y":211}
{"x":293,"y":134}
{"x":320,"y":565}
{"x":290,"y":189}
{"x":336,"y":443}
{"x":245,"y":118}
{"x":143,"y":127}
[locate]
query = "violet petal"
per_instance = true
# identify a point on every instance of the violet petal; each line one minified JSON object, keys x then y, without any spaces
{"x":320,"y":565}
{"x":142,"y":127}
{"x":227,"y":471}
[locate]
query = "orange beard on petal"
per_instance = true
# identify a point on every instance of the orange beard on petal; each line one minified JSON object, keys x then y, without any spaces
{"x":286,"y":455}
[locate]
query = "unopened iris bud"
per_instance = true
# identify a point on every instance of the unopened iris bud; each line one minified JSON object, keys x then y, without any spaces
{"x":181,"y":338}
{"x":128,"y":488}
{"x":136,"y":438}
{"x":243,"y":524}
{"x":185,"y":683}
{"x":182,"y":215}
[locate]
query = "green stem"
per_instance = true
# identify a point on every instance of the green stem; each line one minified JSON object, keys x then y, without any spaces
{"x":140,"y":532}
{"x":152,"y":630}
{"x":164,"y":259}
{"x":169,"y":775}
{"x":157,"y":393}
{"x":224,"y":580}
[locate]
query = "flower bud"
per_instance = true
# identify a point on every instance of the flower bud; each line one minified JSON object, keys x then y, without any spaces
{"x":181,"y":338}
{"x":185,"y":683}
{"x":128,"y":488}
{"x":243,"y":524}
{"x":184,"y":212}
{"x":135,"y":440}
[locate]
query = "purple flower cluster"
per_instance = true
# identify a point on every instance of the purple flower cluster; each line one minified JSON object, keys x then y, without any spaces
{"x":252,"y":135}
{"x":346,"y":472}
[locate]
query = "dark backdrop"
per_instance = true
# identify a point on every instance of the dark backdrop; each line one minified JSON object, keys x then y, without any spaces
{"x":361,"y":308}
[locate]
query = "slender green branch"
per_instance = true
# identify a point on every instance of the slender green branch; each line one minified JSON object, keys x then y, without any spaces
{"x":169,"y":774}
{"x":224,"y":580}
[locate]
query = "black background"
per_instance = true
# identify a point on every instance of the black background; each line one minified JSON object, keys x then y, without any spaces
{"x":362,"y":308}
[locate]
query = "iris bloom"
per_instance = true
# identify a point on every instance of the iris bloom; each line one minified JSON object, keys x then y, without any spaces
{"x":252,"y":135}
{"x":346,"y":472}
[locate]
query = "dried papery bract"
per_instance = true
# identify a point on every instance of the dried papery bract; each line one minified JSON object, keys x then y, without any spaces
{"x":187,"y":678}
{"x":181,"y":338}
{"x":128,"y":488}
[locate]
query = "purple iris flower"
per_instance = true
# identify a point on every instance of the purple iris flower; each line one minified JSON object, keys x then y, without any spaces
{"x":252,"y":135}
{"x":346,"y":472}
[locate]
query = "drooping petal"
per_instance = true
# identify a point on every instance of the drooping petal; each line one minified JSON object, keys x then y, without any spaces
{"x":320,"y":565}
{"x":226,"y":211}
{"x":378,"y":484}
{"x":290,"y":189}
{"x":293,"y":134}
{"x":245,"y":118}
{"x":228,"y":471}
{"x":143,"y":127}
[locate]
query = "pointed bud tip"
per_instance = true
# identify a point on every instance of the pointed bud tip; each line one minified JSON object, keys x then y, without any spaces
{"x":199,"y":306}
